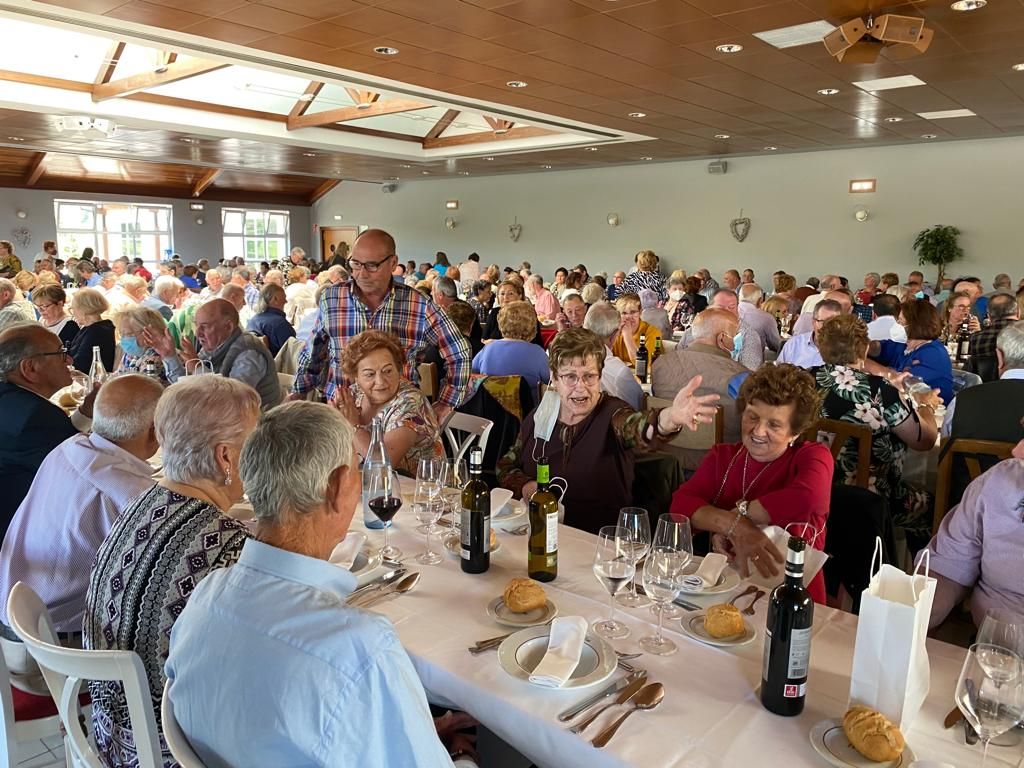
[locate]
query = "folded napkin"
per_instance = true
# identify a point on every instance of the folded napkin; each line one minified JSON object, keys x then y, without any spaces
{"x":344,"y":555}
{"x":565,"y":644}
{"x":499,"y":498}
{"x":814,"y":559}
{"x":708,"y":572}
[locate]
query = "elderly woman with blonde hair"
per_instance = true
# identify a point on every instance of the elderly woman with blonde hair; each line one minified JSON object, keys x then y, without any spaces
{"x":515,"y":354}
{"x":137,"y":357}
{"x":628,"y":341}
{"x":646,"y":276}
{"x":87,"y":308}
{"x":166,"y":541}
{"x":49,"y":301}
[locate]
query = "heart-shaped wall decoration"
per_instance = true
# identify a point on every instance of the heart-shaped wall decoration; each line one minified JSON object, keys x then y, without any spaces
{"x":740,"y":228}
{"x":514,"y":231}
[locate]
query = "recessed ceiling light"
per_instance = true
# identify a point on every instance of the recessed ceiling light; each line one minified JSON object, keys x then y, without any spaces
{"x":463,"y":173}
{"x":425,"y":173}
{"x":798,"y":34}
{"x":15,"y":138}
{"x":309,"y":154}
{"x":406,"y":165}
{"x":828,"y":91}
{"x":945,"y":114}
{"x":928,"y":136}
{"x":894,"y":119}
{"x":392,"y":178}
{"x":637,"y":114}
{"x":488,"y":158}
{"x":546,"y":167}
{"x":968,"y":5}
{"x":722,"y":136}
{"x":1018,"y":67}
{"x":770,"y":148}
{"x":307,"y":97}
{"x":646,"y":158}
{"x":729,"y":48}
{"x":190,"y":141}
{"x":591,"y":149}
{"x":386,"y":50}
{"x":516,"y":84}
{"x":888,"y":83}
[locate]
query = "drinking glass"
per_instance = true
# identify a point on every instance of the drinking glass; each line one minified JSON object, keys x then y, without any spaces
{"x":456,"y":477}
{"x":614,"y":566}
{"x":637,"y":522}
{"x":990,"y":692}
{"x":662,"y":575}
{"x":1004,"y":629}
{"x":385,"y":499}
{"x":80,"y":386}
{"x":672,"y":531}
{"x":430,"y":474}
{"x":427,"y":512}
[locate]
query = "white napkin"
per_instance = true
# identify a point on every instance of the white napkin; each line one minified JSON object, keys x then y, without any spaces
{"x":814,"y":560}
{"x":565,"y":644}
{"x":344,"y":555}
{"x":708,"y":572}
{"x":499,"y":498}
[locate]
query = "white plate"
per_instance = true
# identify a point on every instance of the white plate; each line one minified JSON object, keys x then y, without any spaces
{"x":500,"y":612}
{"x":454,"y":545}
{"x":693,"y":625}
{"x":727,"y":581}
{"x":829,"y":740}
{"x":520,"y":654}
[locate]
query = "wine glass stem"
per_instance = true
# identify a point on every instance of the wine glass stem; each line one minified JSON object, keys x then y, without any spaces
{"x":611,"y":608}
{"x":984,"y":751}
{"x":661,"y":620}
{"x":632,"y":585}
{"x":385,"y":536}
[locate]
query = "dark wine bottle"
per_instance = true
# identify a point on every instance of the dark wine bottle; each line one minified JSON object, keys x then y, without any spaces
{"x":787,"y":638}
{"x":476,"y":518}
{"x":642,"y":359}
{"x":542,"y":558}
{"x":963,"y":342}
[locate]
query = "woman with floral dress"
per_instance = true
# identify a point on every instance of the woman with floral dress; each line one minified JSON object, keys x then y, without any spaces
{"x":854,"y":395}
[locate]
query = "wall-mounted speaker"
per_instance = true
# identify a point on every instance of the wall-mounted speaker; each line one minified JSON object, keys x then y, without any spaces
{"x":718,"y":167}
{"x":388,"y":188}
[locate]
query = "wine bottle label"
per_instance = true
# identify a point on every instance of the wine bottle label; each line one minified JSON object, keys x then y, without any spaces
{"x":466,"y":534}
{"x":799,"y":653}
{"x":551,"y":536}
{"x":794,"y":691}
{"x":543,"y":474}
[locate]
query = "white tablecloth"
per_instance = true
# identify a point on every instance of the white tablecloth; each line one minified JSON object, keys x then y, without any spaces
{"x":711,"y":716}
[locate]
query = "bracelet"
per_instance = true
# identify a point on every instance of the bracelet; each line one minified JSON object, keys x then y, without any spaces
{"x":741,"y":512}
{"x":657,"y":427}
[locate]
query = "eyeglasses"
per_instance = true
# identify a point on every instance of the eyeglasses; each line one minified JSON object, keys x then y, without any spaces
{"x":45,"y":306}
{"x":63,"y":352}
{"x":571,"y":379}
{"x":367,"y":266}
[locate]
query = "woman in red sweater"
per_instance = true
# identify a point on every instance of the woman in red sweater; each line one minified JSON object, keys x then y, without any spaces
{"x":772,"y":477}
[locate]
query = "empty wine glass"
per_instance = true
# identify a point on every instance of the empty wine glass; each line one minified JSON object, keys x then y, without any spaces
{"x":672,"y":531}
{"x":662,"y":575}
{"x":638,"y":523}
{"x":430,"y":474}
{"x":614,"y":566}
{"x":80,"y":386}
{"x":990,"y":692}
{"x":385,"y":499}
{"x":427,"y":512}
{"x":1004,"y":629}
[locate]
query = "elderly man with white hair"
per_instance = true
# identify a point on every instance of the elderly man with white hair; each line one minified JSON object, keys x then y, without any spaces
{"x":166,"y":290}
{"x":544,"y":301}
{"x":242,"y":277}
{"x":14,"y":309}
{"x":444,"y":292}
{"x":342,"y":689}
{"x":215,"y":280}
{"x":80,"y":489}
{"x":617,"y":378}
{"x":756,"y":321}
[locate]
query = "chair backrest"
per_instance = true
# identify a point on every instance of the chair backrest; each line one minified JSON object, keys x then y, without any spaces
{"x":702,"y":438}
{"x":287,"y":359}
{"x":475,"y":428}
{"x":964,"y":379}
{"x":968,"y":450}
{"x":176,"y":740}
{"x":13,"y":730}
{"x":669,"y":345}
{"x":429,"y":385}
{"x":842,"y":432}
{"x":65,"y":669}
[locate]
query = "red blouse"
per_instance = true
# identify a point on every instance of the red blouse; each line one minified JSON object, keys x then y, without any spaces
{"x":796,"y":488}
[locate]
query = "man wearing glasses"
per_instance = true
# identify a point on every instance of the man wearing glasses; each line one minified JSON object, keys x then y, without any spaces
{"x":801,"y":349}
{"x":33,"y":366}
{"x":371,"y":299}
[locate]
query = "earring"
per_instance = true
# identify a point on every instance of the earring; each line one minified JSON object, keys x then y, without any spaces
{"x":227,"y":477}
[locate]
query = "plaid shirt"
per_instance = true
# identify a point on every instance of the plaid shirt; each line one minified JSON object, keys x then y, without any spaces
{"x":413,"y":319}
{"x":983,"y":343}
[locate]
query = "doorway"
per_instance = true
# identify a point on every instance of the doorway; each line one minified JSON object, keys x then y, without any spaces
{"x":333,"y":238}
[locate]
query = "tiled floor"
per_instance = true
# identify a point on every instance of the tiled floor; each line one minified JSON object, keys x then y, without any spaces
{"x":48,"y":753}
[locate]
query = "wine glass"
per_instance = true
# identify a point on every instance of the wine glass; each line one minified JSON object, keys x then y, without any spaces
{"x":662,"y":575}
{"x":430,"y":474}
{"x":614,"y":565}
{"x":427,"y":512}
{"x":672,"y":531}
{"x":638,"y":523}
{"x":456,"y":477}
{"x":1004,"y":629}
{"x":990,"y":692}
{"x":385,"y":499}
{"x":80,"y":386}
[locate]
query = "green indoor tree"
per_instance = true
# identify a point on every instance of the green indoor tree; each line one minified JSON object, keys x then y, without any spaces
{"x":938,"y":245}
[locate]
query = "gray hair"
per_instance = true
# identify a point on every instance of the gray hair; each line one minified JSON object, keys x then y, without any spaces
{"x":899,"y":291}
{"x":479,"y":285}
{"x":830,"y":304}
{"x":269,"y":292}
{"x":242,"y":272}
{"x":124,"y":407}
{"x":1002,"y":305}
{"x":278,"y":485}
{"x":874,"y":276}
{"x":20,"y":342}
{"x":164,"y":285}
{"x":1010,"y":342}
{"x":592,"y":293}
{"x":603,"y":319}
{"x":187,"y":433}
{"x":535,"y":279}
{"x":8,"y":286}
{"x":751,"y":293}
{"x":132,"y":283}
{"x":446,"y":287}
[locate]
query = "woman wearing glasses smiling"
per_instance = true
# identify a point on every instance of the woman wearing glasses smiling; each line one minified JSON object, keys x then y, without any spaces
{"x":595,"y":436}
{"x":49,"y":300}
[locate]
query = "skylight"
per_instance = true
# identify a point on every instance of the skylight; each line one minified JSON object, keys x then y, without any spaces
{"x":888,"y":83}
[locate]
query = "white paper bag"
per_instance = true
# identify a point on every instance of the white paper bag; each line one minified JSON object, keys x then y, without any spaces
{"x":890,"y":662}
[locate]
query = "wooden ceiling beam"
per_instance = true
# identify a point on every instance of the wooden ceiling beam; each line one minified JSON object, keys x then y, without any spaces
{"x":362,"y":97}
{"x":205,"y":181}
{"x":36,"y":169}
{"x":304,"y":103}
{"x":323,"y":189}
{"x":179,"y":70}
{"x":343,"y":114}
{"x":485,"y":137}
{"x":109,"y":63}
{"x":442,"y":125}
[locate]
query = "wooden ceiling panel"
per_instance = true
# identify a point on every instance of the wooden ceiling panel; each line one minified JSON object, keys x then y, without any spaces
{"x":155,"y":15}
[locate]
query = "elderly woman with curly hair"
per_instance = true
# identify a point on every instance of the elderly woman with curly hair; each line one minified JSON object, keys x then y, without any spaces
{"x":771,"y":477}
{"x":515,"y":354}
{"x":373,"y":361}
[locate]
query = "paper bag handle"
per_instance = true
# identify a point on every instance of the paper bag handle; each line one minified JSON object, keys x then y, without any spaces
{"x":925,"y":559}
{"x":876,"y":558}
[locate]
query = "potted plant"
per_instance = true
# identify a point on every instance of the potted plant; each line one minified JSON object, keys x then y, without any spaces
{"x":938,"y":245}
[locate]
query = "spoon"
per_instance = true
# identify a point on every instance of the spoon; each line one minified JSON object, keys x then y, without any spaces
{"x":647,"y":697}
{"x":748,"y":591}
{"x":405,"y":585}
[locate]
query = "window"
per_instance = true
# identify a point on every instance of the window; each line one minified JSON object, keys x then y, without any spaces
{"x":113,"y":230}
{"x":255,"y":235}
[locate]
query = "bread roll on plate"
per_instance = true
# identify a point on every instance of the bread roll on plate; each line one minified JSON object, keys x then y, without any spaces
{"x":524,"y":595}
{"x":723,"y":621}
{"x":873,"y":735}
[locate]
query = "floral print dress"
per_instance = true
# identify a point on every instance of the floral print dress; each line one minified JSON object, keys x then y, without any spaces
{"x":409,"y":408}
{"x":857,"y":397}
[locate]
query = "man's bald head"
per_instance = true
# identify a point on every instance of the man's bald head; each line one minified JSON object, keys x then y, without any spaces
{"x":217,"y":309}
{"x":124,"y":408}
{"x":377,"y":237}
{"x":234,"y":294}
{"x":711,"y":323}
{"x":844,"y":299}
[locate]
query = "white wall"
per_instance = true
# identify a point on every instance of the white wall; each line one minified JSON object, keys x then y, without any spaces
{"x":801,"y":212}
{"x":192,"y":241}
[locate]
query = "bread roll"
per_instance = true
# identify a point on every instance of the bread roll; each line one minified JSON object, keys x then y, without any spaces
{"x":871,"y":734}
{"x":723,"y":621}
{"x":524,"y":595}
{"x":67,"y":401}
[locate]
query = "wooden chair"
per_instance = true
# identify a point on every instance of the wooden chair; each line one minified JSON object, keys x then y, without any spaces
{"x":429,"y":385}
{"x":842,"y":432}
{"x":968,"y":450}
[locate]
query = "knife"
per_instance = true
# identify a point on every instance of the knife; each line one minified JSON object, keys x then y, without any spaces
{"x":678,"y":601}
{"x":970,"y":735}
{"x":358,"y":594}
{"x":627,"y":693}
{"x":604,"y":693}
{"x":954,"y":717}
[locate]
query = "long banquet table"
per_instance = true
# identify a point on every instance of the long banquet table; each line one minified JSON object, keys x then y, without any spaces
{"x":711,"y":716}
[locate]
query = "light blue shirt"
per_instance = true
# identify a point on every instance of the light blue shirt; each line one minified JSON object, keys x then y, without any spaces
{"x":801,"y":351}
{"x":269,"y":667}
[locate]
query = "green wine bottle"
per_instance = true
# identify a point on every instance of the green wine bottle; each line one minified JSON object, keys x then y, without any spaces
{"x":476,"y":518}
{"x":542,"y":560}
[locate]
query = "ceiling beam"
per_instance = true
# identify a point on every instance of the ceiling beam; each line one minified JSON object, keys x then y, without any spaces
{"x":109,"y":63}
{"x":179,"y":70}
{"x":343,"y":114}
{"x":442,"y":125}
{"x":205,"y":181}
{"x":499,"y":125}
{"x":36,"y":169}
{"x":485,"y":137}
{"x":362,"y":97}
{"x":302,"y":104}
{"x":323,"y":189}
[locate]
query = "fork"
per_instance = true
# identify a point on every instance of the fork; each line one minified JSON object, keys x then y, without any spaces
{"x":749,"y":610}
{"x":522,"y":530}
{"x":748,"y":591}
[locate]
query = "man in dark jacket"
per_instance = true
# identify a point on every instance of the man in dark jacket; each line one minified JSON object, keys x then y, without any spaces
{"x":269,"y":320}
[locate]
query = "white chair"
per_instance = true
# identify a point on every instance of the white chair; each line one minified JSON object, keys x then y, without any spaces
{"x":15,"y":731}
{"x":477,"y":430}
{"x":176,"y":740}
{"x":66,"y":669}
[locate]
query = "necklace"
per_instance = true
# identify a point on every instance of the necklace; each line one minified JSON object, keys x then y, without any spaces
{"x":744,"y":488}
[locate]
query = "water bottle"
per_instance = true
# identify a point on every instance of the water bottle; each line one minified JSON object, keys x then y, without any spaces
{"x":376,"y":457}
{"x":97,"y":371}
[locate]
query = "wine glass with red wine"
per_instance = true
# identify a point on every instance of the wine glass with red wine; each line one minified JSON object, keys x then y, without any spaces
{"x":385,"y":496}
